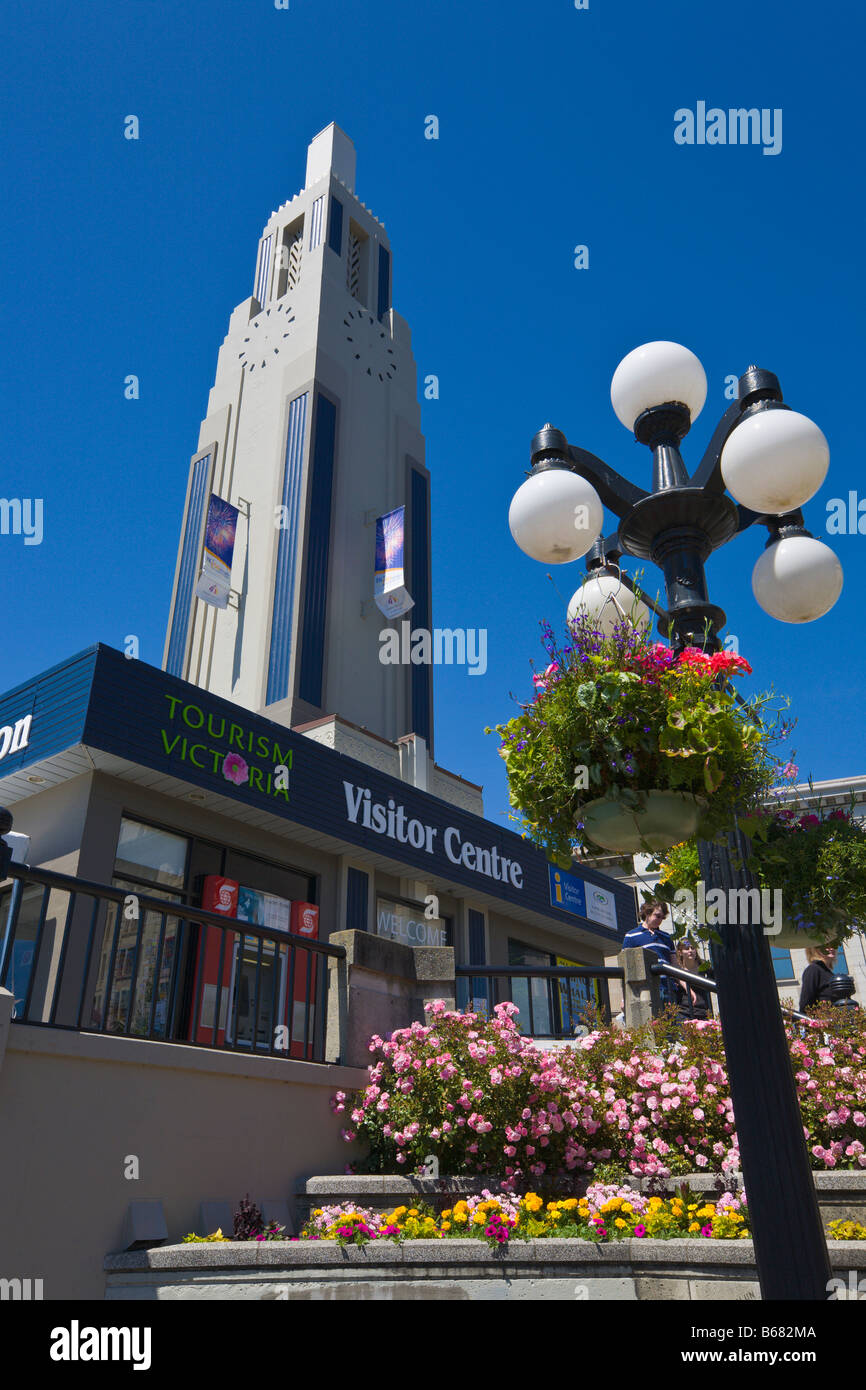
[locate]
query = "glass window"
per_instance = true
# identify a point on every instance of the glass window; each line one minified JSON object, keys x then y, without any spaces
{"x":841,"y":966}
{"x":145,"y":959}
{"x":782,"y":965}
{"x":269,"y":878}
{"x":572,"y":996}
{"x":533,"y":998}
{"x":21,"y":947}
{"x":150,"y":854}
{"x":410,"y":925}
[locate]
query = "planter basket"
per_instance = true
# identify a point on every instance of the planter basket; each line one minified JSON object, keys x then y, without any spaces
{"x":665,"y":819}
{"x":793,"y":938}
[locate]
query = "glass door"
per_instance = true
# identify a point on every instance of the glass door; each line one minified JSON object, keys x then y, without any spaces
{"x":257,"y":993}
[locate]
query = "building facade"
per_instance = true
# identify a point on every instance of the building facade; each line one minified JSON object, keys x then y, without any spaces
{"x":275,"y":754}
{"x":312,"y":431}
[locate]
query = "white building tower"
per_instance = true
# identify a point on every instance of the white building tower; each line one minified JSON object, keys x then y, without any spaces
{"x":312,"y":431}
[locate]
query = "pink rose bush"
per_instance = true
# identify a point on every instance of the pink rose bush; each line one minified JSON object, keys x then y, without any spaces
{"x":485,"y":1100}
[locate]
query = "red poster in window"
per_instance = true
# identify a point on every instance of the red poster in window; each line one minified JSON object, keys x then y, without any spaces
{"x":217,"y":895}
{"x":304,"y":922}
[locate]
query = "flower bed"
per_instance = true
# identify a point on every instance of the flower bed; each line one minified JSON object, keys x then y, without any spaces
{"x":484,"y":1100}
{"x":605,"y":1212}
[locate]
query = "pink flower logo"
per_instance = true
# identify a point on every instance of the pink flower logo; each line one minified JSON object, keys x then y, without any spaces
{"x":235,"y":769}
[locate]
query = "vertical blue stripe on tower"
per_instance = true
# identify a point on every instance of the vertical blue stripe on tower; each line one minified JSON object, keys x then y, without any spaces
{"x":419,"y":588}
{"x":383,"y":303}
{"x":318,"y":550}
{"x":287,"y":553}
{"x":264,"y":275}
{"x":356,"y":900}
{"x":335,"y":226}
{"x":317,"y":222}
{"x":198,"y":491}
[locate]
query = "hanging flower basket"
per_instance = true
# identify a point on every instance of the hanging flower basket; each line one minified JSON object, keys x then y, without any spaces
{"x":813,"y":868}
{"x":628,"y":746}
{"x":662,"y":819}
{"x":795,"y":938}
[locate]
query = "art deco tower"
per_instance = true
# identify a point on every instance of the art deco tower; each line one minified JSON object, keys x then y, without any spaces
{"x":312,"y":431}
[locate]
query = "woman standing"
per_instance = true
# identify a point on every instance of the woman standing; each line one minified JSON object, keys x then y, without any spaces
{"x":692,"y":1002}
{"x":817,"y":983}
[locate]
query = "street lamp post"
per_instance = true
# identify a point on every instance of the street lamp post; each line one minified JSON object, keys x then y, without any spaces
{"x":772,"y":460}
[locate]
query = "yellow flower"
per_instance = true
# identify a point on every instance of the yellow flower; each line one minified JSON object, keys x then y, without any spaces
{"x":532,"y":1201}
{"x":693,"y":1206}
{"x":620,"y":1224}
{"x":446,"y":1214}
{"x":627,"y":1206}
{"x":413,"y":1211}
{"x":318,"y":1211}
{"x":460,"y":1217}
{"x":479,"y":1218}
{"x":695,"y":1226}
{"x":446,"y":1225}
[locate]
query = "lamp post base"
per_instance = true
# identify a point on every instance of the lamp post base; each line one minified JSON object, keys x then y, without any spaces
{"x":790,"y":1244}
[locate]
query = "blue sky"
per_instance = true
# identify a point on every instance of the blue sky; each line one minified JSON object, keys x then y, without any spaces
{"x":556,"y":129}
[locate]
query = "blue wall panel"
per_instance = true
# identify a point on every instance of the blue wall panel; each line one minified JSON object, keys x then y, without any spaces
{"x":318,"y":552}
{"x":357,"y":889}
{"x":335,"y":226}
{"x":287,"y":553}
{"x":383,"y":300}
{"x":419,"y":588}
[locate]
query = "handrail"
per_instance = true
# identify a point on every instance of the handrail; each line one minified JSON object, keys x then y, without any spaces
{"x":542,"y":972}
{"x":703,"y":982}
{"x":149,"y":967}
{"x":49,"y":879}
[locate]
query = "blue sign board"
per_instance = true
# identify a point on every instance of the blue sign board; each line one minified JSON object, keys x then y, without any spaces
{"x":126,"y":708}
{"x":566,"y":891}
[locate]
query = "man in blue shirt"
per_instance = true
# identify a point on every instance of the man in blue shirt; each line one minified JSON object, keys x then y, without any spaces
{"x":650,"y":936}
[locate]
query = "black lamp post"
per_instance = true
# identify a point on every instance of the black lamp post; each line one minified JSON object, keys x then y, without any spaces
{"x":772,"y":460}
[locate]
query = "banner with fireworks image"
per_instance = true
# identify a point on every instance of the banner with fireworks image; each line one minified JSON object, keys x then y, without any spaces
{"x":219,"y":543}
{"x":391,"y":595}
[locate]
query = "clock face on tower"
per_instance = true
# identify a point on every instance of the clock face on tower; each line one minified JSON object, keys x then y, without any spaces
{"x":370,"y":345}
{"x":266,"y":336}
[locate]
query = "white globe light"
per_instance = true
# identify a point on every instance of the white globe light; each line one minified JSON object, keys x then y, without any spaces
{"x":555,"y":516}
{"x":797,"y":580}
{"x":654,"y":374}
{"x":608,"y":601}
{"x":775,"y":461}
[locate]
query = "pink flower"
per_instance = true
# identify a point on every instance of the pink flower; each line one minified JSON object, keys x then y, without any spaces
{"x":235,"y":769}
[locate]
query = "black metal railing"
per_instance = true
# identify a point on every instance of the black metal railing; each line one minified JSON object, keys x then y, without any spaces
{"x":554,"y":1001}
{"x":687,"y":1007}
{"x":99,"y":959}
